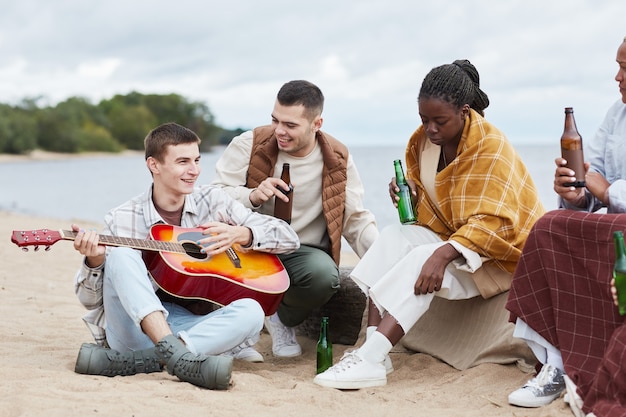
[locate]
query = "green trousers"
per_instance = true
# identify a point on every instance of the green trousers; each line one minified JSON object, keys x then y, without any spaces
{"x":313,"y":280}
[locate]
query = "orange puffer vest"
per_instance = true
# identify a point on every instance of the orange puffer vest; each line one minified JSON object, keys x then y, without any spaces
{"x":334,"y":177}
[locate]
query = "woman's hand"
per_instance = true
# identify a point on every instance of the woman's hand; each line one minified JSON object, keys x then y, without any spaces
{"x":431,"y":275}
{"x":393,"y":190}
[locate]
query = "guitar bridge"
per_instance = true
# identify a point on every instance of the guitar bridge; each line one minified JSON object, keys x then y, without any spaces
{"x":234,"y":258}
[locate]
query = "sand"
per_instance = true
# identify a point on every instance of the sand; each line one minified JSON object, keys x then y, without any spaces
{"x":42,"y":331}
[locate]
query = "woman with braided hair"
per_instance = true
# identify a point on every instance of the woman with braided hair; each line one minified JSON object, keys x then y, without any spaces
{"x":475,"y":203}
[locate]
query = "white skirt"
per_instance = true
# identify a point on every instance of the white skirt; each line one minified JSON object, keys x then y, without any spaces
{"x":389,"y":269}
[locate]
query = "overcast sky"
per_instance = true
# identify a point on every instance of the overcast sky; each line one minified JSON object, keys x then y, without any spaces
{"x":535,"y":57}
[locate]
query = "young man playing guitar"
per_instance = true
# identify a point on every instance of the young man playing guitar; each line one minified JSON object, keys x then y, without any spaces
{"x":140,"y":326}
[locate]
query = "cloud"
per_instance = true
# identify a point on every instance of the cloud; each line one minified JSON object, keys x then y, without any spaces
{"x":101,"y":69}
{"x":369,"y":57}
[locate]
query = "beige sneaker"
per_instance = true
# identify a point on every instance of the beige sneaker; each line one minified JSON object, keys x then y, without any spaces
{"x":546,"y":387}
{"x":248,"y":354}
{"x":284,"y":342}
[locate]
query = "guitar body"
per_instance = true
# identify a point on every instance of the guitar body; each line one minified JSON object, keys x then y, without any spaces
{"x":179,"y":267}
{"x":221,"y":279}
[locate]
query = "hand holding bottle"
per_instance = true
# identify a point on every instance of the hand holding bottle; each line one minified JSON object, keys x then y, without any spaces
{"x":614,"y":293}
{"x":594,"y":182}
{"x":618,"y":283}
{"x":563,"y":176}
{"x":269,"y":188}
{"x":404,"y":196}
{"x":394,"y":190}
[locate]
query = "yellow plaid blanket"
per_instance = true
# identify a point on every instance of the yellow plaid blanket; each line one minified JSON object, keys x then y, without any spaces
{"x":487,"y":200}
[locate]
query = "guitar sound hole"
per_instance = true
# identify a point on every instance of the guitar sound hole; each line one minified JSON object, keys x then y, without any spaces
{"x":193,"y":250}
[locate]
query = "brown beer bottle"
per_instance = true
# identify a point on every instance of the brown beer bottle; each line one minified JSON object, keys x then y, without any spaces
{"x":282,"y":210}
{"x":572,"y":149}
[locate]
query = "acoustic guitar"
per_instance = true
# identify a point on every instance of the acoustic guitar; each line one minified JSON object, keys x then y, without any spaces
{"x":177,"y":264}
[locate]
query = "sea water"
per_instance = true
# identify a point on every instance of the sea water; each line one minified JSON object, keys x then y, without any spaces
{"x":85,"y":188}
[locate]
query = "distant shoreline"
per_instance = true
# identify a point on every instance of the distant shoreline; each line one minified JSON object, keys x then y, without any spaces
{"x":39,"y":155}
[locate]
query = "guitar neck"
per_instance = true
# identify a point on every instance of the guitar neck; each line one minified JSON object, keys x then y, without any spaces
{"x":128,"y":242}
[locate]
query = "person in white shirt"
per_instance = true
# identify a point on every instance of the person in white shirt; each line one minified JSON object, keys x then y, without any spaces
{"x":559,"y":236}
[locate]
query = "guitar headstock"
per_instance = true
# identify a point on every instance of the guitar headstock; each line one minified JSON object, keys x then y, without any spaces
{"x":36,"y":238}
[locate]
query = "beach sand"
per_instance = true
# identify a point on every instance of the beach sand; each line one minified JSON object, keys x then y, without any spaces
{"x":42,"y":331}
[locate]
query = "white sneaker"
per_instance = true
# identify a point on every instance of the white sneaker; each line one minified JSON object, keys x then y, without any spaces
{"x":284,"y":342}
{"x":353,"y":372}
{"x":248,"y":354}
{"x":541,"y":390}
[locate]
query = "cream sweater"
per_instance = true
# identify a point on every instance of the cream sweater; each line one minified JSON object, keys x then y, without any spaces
{"x":359,"y":227}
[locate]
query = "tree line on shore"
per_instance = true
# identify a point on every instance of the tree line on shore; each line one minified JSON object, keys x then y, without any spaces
{"x":112,"y":125}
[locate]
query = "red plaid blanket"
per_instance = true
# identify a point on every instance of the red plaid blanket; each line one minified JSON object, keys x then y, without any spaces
{"x":561,"y":289}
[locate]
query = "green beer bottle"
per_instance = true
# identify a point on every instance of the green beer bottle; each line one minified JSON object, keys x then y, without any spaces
{"x":324,"y":348}
{"x":406,"y":211}
{"x":619,"y":271}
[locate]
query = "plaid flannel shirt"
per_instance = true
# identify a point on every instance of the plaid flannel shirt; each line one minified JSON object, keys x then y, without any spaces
{"x":134,"y":219}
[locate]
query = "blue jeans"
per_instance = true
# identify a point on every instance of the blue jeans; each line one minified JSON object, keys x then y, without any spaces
{"x":129,"y":296}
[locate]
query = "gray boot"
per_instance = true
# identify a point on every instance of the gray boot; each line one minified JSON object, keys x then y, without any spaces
{"x":212,"y":372}
{"x":97,"y":360}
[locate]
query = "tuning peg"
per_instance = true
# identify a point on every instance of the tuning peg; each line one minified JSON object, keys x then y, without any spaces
{"x":25,"y":249}
{"x":47,"y":248}
{"x":36,"y":248}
